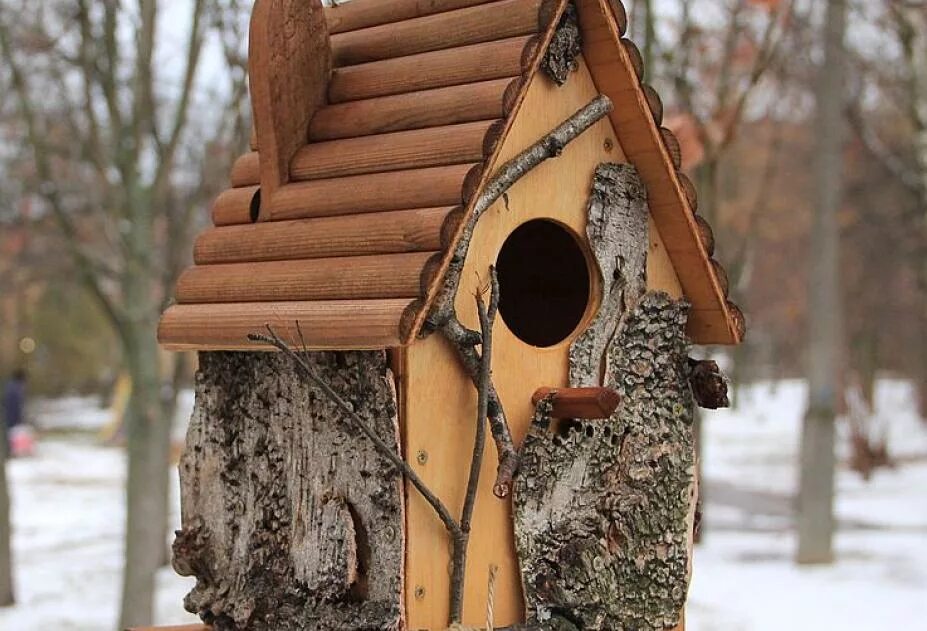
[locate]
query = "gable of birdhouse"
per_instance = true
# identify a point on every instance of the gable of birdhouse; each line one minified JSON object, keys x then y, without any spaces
{"x":409,"y":110}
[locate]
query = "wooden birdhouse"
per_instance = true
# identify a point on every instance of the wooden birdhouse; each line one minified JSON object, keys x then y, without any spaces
{"x":458,"y":218}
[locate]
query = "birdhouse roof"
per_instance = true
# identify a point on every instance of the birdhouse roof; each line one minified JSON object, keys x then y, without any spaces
{"x":405,"y":104}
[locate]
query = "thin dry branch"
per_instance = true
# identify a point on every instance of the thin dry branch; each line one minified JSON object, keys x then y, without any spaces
{"x":463,"y":340}
{"x":550,"y":146}
{"x":461,"y":545}
{"x":443,"y":316}
{"x":306,"y":370}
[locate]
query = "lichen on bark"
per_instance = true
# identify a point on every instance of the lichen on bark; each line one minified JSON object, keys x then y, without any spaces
{"x":560,"y":58}
{"x":602,"y":508}
{"x":291,"y":521}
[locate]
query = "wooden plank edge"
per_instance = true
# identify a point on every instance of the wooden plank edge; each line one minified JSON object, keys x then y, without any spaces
{"x":734,"y":332}
{"x":363,"y":14}
{"x":579,"y":403}
{"x":327,"y":325}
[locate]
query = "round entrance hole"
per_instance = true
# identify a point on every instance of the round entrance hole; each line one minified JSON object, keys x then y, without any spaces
{"x":543,"y":283}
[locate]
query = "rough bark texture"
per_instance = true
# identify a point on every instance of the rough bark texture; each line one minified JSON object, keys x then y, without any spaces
{"x":560,"y":59}
{"x":603,"y":510}
{"x":291,"y":519}
{"x":618,"y":234}
{"x":709,"y":386}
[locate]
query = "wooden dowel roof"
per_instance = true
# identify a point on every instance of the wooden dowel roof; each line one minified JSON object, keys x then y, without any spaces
{"x":417,"y":230}
{"x":418,"y":148}
{"x":367,"y":193}
{"x":328,"y":325}
{"x":450,"y":29}
{"x":354,"y":278}
{"x":438,"y":69}
{"x":418,"y":100}
{"x":484,"y":100}
{"x":351,"y":16}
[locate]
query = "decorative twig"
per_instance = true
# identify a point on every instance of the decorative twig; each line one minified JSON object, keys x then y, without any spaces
{"x":443,"y":316}
{"x":462,"y":339}
{"x":461,"y":543}
{"x":302,"y":366}
{"x":550,"y":146}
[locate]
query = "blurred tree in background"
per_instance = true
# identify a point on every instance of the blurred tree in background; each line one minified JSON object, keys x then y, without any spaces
{"x":120,"y":119}
{"x":740,"y":78}
{"x":124,"y":122}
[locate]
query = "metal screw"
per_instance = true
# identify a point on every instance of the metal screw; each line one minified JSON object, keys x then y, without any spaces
{"x":609,"y":145}
{"x":421,"y":456}
{"x":419,"y":592}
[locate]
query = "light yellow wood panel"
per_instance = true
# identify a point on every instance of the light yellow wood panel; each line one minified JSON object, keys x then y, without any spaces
{"x":660,"y":273}
{"x":440,"y":402}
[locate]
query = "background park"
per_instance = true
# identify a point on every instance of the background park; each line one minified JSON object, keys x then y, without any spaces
{"x":803,"y":124}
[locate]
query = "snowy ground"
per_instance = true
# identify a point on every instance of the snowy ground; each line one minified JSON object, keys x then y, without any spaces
{"x":68,"y":528}
{"x":744,"y":579}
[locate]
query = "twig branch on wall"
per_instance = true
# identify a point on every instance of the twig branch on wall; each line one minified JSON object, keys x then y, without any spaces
{"x":487,"y":317}
{"x":443,"y":316}
{"x":306,"y":371}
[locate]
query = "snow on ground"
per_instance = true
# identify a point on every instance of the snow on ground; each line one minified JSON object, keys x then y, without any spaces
{"x":68,"y":523}
{"x":68,"y":512}
{"x":744,"y":578}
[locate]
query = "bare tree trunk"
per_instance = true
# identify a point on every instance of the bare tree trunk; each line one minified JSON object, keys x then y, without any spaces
{"x":6,"y":554}
{"x":815,"y":520}
{"x":147,"y":486}
{"x":912,"y":32}
{"x":148,"y":428}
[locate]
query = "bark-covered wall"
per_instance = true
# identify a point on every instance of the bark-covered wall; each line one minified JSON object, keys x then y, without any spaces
{"x":291,"y":519}
{"x":603,"y":509}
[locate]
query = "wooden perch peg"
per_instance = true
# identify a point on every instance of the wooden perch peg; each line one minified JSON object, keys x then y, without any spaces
{"x":579,"y":403}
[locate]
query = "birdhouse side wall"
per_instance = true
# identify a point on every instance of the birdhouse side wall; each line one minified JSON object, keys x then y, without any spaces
{"x":438,"y":399}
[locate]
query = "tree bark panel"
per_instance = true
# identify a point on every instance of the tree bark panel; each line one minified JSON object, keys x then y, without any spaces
{"x":449,"y":29}
{"x":617,"y":231}
{"x":602,"y":511}
{"x":291,"y":520}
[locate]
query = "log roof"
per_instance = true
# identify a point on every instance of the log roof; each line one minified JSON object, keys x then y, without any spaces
{"x":404,"y":104}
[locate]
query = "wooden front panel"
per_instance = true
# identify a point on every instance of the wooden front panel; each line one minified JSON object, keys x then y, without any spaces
{"x":440,"y":402}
